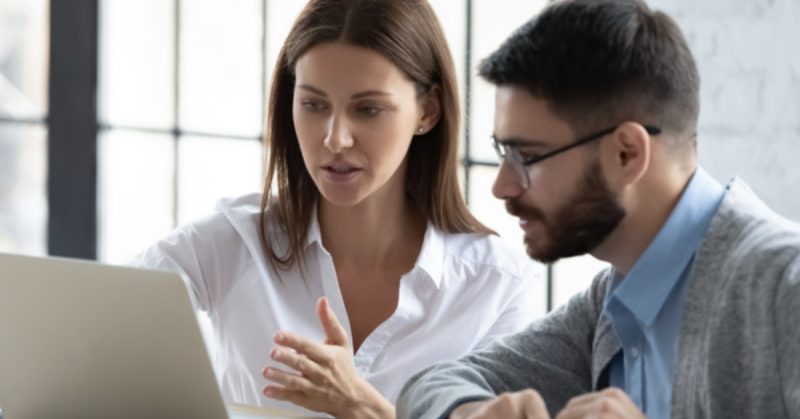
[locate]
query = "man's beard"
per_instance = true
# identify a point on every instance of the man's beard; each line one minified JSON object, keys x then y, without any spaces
{"x":579,"y":226}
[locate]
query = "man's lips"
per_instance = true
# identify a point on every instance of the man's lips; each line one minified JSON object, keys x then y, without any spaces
{"x":527,"y":212}
{"x":527,"y":216}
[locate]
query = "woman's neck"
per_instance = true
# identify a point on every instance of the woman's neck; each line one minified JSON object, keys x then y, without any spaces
{"x":376,"y":234}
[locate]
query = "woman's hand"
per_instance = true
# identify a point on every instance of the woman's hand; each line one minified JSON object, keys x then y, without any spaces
{"x":324,"y":377}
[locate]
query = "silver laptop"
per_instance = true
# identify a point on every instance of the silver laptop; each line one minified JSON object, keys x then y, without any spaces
{"x":89,"y":341}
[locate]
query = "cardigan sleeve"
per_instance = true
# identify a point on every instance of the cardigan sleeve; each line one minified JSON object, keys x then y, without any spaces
{"x":553,"y":356}
{"x":787,"y":319}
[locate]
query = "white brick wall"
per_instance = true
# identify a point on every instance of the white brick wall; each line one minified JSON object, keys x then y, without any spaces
{"x":748,"y":53}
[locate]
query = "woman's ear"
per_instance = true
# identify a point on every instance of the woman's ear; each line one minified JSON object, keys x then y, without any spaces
{"x":431,"y":110}
{"x":626,"y":156}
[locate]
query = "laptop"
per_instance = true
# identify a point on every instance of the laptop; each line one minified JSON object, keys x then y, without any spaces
{"x":84,"y":340}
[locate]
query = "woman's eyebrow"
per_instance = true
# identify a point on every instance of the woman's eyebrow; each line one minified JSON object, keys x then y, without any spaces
{"x":312,"y":89}
{"x":370,"y":93}
{"x":359,"y":95}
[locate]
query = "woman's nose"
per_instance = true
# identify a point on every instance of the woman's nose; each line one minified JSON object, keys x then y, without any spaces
{"x":338,"y":137}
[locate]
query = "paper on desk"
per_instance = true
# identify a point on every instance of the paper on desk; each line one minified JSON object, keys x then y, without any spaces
{"x":246,"y":411}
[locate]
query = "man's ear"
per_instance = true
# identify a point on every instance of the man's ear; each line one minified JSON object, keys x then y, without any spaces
{"x":431,"y":110}
{"x":626,"y":155}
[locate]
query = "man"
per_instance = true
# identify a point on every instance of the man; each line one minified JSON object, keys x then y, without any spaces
{"x":699,"y":314}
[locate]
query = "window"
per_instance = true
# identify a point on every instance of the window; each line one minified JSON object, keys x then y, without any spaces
{"x":181,"y":108}
{"x":23,"y":129}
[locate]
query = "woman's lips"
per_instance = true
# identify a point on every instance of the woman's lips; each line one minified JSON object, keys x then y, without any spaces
{"x":340,"y":173}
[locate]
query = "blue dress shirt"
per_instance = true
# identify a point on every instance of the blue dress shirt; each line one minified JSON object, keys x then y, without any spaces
{"x":645,"y":307}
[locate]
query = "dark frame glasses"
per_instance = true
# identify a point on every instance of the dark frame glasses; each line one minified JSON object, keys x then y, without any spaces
{"x":509,"y":153}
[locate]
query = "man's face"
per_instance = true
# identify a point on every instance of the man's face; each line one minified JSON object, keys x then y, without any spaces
{"x":568,"y":210}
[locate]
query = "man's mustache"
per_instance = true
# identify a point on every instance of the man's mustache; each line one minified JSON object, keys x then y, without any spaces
{"x":522,"y":211}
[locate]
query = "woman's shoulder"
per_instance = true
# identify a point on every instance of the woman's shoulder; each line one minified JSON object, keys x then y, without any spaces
{"x":488,"y":251}
{"x":243,"y":206}
{"x":232,"y":219}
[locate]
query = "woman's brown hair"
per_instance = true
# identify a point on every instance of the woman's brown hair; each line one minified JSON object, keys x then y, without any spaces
{"x":408,"y":33}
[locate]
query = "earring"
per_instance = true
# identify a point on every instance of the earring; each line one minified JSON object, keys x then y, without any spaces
{"x":420,"y":129}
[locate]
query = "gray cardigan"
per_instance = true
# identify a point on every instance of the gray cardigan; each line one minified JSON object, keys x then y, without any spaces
{"x":738,"y":348}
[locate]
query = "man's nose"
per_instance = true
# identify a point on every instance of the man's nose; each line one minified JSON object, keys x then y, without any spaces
{"x":506,"y":185}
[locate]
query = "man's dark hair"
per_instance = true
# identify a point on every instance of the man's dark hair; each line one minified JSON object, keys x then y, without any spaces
{"x":600,"y":62}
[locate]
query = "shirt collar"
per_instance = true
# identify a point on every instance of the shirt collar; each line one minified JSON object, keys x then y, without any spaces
{"x":313,"y":234}
{"x":660,"y":268}
{"x":431,"y":255}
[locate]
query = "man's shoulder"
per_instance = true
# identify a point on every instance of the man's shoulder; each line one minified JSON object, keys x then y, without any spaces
{"x":747,"y":236}
{"x":751,"y":224}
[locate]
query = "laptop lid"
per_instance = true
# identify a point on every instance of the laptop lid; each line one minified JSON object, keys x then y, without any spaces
{"x":84,"y":340}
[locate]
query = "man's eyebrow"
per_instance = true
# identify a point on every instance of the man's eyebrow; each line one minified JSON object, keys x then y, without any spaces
{"x":519,"y":142}
{"x":312,"y":89}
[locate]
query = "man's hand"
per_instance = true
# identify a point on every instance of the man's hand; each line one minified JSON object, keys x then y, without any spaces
{"x":526,"y":404}
{"x":611,"y":403}
{"x":325,"y":378}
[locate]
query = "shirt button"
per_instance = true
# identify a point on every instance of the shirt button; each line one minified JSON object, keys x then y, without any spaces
{"x":635,"y":352}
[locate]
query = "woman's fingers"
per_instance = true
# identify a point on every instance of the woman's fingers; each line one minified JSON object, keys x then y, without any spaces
{"x":314,"y":351}
{"x":288,"y":380}
{"x":280,"y":393}
{"x":334,"y":331}
{"x":300,"y":363}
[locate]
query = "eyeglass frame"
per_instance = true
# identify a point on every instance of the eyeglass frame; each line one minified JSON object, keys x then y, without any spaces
{"x":507,"y":151}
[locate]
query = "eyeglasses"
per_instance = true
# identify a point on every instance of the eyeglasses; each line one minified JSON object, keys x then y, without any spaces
{"x":508,"y":152}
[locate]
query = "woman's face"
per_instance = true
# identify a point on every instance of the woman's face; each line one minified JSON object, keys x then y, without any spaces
{"x":355,"y":114}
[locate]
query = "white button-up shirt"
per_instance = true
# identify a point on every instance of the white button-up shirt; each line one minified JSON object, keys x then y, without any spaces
{"x":464,"y":291}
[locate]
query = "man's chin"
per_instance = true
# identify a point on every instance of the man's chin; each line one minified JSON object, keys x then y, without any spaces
{"x":547,"y":253}
{"x":540,"y":252}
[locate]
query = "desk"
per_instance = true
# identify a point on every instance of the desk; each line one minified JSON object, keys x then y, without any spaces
{"x":241,"y":411}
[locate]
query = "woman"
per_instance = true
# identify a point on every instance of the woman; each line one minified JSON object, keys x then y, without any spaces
{"x":367,"y":266}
